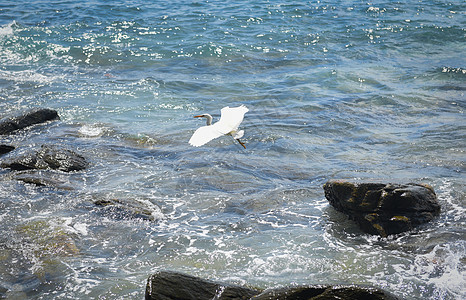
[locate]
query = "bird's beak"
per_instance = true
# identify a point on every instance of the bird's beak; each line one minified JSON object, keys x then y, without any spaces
{"x":198,"y":116}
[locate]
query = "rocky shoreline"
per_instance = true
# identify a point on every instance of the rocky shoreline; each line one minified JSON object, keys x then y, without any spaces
{"x":378,"y":208}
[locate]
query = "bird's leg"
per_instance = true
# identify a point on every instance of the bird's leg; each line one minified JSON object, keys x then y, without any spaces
{"x":241,"y":143}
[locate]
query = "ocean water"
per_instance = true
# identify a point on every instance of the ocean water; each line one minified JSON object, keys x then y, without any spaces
{"x":355,"y":90}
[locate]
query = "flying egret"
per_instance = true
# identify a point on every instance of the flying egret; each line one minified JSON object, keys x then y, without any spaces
{"x":227,"y":125}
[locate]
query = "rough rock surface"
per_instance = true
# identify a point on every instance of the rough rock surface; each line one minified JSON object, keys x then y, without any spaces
{"x":48,"y":157}
{"x":29,"y":118}
{"x":4,"y":149}
{"x":325,"y":292}
{"x":166,"y":285}
{"x":384,"y":209}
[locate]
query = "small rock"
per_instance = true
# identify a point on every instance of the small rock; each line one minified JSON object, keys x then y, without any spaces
{"x":166,"y":285}
{"x":48,"y":157}
{"x":384,"y":209}
{"x":130,"y":209}
{"x":29,"y":118}
{"x":42,"y":178}
{"x":4,"y":149}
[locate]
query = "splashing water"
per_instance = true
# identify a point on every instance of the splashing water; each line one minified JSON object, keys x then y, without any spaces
{"x":351,"y":90}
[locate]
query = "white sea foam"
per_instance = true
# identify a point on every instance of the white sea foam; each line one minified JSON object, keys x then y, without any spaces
{"x":443,"y":268}
{"x":156,"y":212}
{"x":349,"y":100}
{"x":91,"y":130}
{"x":7,"y":29}
{"x":29,"y":76}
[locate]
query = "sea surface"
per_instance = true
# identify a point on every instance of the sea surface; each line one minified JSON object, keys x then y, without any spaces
{"x":354,"y":90}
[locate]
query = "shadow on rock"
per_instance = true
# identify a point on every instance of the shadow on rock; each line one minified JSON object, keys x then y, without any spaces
{"x":4,"y":149}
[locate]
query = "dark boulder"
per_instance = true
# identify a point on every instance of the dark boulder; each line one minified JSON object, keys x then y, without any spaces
{"x":29,"y":118}
{"x":48,"y":157}
{"x":166,"y":285}
{"x":384,"y":209}
{"x":325,"y":292}
{"x":4,"y":149}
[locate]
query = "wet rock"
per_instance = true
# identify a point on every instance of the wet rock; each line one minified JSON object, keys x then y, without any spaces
{"x":29,"y":118}
{"x":130,"y":209}
{"x":384,"y":209}
{"x":166,"y":285}
{"x":4,"y":149}
{"x":48,"y":157}
{"x":325,"y":292}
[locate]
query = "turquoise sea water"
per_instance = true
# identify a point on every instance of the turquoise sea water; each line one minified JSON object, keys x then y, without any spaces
{"x":336,"y":90}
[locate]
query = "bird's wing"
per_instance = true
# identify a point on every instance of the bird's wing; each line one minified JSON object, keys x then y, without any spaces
{"x":231,"y":118}
{"x":205,"y":134}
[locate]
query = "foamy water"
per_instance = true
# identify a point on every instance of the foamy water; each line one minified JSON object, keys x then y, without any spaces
{"x":335,"y":91}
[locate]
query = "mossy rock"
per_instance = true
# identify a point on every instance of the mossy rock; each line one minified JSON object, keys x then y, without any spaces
{"x":384,"y":209}
{"x":47,"y":238}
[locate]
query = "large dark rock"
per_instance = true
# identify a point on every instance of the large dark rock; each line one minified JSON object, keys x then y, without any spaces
{"x":325,"y":292}
{"x":47,"y":157}
{"x":166,"y":285}
{"x":384,"y":209}
{"x":4,"y":149}
{"x":29,"y":118}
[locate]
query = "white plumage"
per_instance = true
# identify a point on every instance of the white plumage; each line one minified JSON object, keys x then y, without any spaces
{"x":228,"y":124}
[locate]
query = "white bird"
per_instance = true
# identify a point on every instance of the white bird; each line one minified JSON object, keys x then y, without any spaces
{"x":227,"y":125}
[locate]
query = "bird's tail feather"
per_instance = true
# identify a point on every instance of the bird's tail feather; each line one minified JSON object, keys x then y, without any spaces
{"x":238,"y":134}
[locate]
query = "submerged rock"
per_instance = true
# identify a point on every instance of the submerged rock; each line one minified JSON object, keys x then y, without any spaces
{"x":48,"y":157}
{"x":4,"y":149}
{"x":130,"y":209}
{"x":48,"y":237}
{"x":45,"y":243}
{"x":43,"y":178}
{"x":166,"y":285}
{"x":29,"y":118}
{"x":384,"y":209}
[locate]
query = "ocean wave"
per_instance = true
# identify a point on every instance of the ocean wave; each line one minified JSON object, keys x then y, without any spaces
{"x":7,"y":29}
{"x":30,"y":76}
